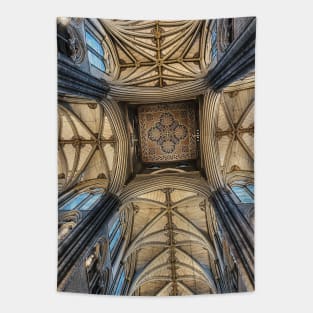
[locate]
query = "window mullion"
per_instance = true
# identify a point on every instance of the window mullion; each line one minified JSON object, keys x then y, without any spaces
{"x":83,"y":202}
{"x":250,"y":193}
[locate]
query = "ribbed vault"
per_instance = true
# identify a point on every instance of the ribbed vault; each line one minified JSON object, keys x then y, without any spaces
{"x":235,"y":129}
{"x":170,"y":241}
{"x":159,"y":53}
{"x":88,"y":144}
{"x":227,"y":132}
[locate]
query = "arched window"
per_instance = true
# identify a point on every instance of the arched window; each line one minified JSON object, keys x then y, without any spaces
{"x":214,"y":40}
{"x":74,"y":202}
{"x":243,"y":195}
{"x":115,"y":233}
{"x":95,"y":52}
{"x":120,"y":283}
{"x":90,"y":202}
{"x":84,"y":201}
{"x":251,"y":188}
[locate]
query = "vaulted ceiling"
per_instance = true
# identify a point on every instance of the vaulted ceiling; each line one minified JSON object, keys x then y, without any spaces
{"x":86,"y":144}
{"x":170,"y":238}
{"x":159,"y":53}
{"x":235,"y":128}
{"x":170,"y":244}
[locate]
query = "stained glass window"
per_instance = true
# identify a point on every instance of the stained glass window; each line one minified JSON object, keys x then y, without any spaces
{"x":113,"y":228}
{"x":90,"y":202}
{"x":242,"y":194}
{"x":76,"y":201}
{"x":115,"y":233}
{"x":95,"y":61}
{"x":94,"y":44}
{"x":115,"y":239}
{"x":83,"y":202}
{"x":214,"y":41}
{"x":120,"y":283}
{"x":251,"y":188}
{"x":95,"y":52}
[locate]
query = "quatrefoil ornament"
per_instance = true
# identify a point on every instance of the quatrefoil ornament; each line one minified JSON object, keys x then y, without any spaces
{"x":167,"y":132}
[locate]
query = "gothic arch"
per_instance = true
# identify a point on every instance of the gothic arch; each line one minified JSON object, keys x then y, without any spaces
{"x":94,"y":152}
{"x":187,"y":183}
{"x":119,"y":174}
{"x":169,"y":226}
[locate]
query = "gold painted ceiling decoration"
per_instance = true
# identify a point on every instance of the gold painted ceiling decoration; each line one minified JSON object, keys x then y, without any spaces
{"x":159,"y":53}
{"x":167,"y":132}
{"x":171,"y":245}
{"x":235,"y":129}
{"x":86,"y":144}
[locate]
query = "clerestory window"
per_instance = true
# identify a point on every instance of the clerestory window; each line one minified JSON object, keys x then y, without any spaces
{"x":84,"y":202}
{"x":95,"y":52}
{"x":243,"y":194}
{"x":115,"y":235}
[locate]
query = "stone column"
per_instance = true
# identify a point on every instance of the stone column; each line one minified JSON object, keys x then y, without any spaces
{"x":208,"y":126}
{"x":73,"y":246}
{"x":237,"y":61}
{"x":237,"y":232}
{"x":235,"y":227}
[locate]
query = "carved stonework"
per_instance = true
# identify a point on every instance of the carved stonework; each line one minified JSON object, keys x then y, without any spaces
{"x":70,"y":216}
{"x":67,"y":221}
{"x":77,"y":20}
{"x":235,"y":168}
{"x":202,"y":205}
{"x":136,"y":208}
{"x":92,"y":106}
{"x":166,"y":132}
{"x":76,"y":45}
{"x":233,"y":94}
{"x":61,"y":176}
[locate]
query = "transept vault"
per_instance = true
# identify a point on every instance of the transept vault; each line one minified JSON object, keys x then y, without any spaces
{"x":156,"y":156}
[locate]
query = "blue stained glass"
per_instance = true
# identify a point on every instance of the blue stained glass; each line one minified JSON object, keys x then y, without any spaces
{"x":251,"y":188}
{"x":114,"y":240}
{"x":213,"y":35}
{"x":120,"y":284}
{"x":242,"y":194}
{"x":96,"y":61}
{"x":94,"y":44}
{"x":214,"y":52}
{"x":114,"y":227}
{"x":73,"y":203}
{"x":214,"y":40}
{"x":90,"y":202}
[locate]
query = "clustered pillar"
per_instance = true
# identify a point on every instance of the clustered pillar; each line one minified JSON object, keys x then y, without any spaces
{"x":74,"y":246}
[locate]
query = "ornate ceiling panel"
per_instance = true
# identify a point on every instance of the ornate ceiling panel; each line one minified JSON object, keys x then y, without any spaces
{"x":167,"y":132}
{"x":173,"y":254}
{"x":159,"y":53}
